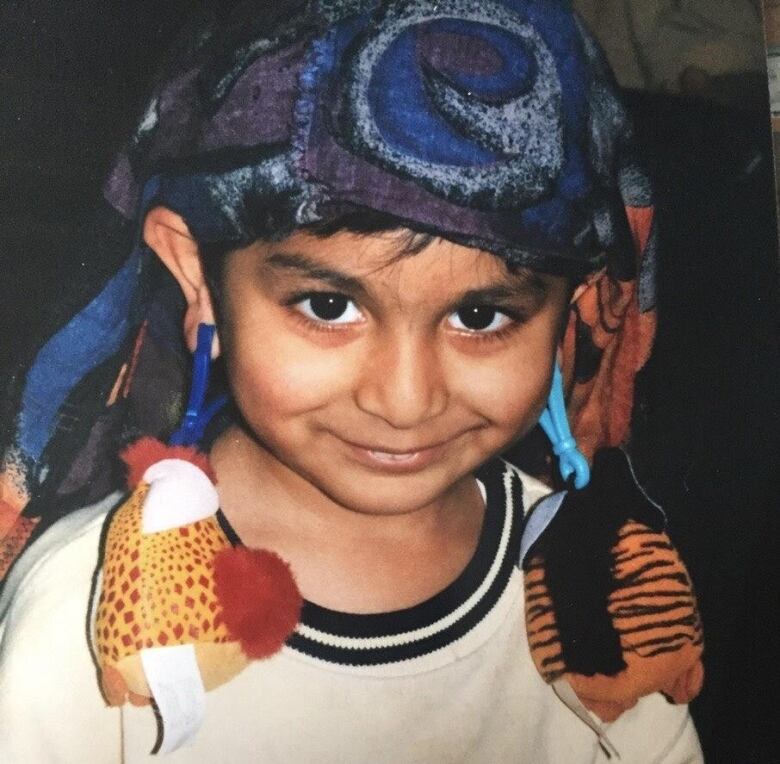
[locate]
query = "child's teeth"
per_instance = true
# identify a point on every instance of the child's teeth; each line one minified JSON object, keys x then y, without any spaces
{"x":392,"y":457}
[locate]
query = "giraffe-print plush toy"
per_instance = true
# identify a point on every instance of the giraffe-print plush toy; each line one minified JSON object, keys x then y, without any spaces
{"x":170,"y":577}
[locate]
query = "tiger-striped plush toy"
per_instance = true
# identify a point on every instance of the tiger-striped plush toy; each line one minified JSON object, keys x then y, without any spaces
{"x":610,"y":607}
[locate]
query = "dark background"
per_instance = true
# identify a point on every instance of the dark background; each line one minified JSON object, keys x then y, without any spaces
{"x":73,"y":77}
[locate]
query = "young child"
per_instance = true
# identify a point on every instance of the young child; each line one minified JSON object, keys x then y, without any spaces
{"x":400,"y":217}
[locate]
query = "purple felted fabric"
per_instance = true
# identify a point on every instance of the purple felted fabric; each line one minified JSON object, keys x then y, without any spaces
{"x":493,"y":122}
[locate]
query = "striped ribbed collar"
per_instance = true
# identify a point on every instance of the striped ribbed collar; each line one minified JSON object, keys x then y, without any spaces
{"x":401,"y":635}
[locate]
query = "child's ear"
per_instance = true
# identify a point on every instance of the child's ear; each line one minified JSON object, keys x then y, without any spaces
{"x":167,"y":234}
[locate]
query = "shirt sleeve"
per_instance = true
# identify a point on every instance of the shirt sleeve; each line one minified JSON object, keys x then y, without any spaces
{"x":50,"y":703}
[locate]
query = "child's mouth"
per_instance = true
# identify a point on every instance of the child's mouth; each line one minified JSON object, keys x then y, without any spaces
{"x":395,"y":461}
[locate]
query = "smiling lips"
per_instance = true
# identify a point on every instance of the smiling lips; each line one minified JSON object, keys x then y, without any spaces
{"x":395,"y":461}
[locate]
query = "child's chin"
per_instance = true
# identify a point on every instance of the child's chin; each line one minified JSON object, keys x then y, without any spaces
{"x":395,"y":494}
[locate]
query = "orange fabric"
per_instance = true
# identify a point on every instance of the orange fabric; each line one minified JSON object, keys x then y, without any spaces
{"x":15,"y":529}
{"x":8,"y":516}
{"x":640,"y":220}
{"x":606,"y":313}
{"x":14,"y":540}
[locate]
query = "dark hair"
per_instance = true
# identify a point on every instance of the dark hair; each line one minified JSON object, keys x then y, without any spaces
{"x":362,"y":221}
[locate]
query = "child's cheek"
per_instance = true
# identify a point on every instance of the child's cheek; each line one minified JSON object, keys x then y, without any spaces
{"x":509,"y":393}
{"x":286,"y":376}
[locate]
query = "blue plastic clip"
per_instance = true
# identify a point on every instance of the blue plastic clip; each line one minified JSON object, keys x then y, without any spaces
{"x":196,"y":417}
{"x":555,"y":423}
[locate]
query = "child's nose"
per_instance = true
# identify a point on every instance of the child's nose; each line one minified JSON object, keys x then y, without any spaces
{"x":403,"y":382}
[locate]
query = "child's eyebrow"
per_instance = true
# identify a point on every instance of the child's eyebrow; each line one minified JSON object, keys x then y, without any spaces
{"x":298,"y":262}
{"x":523,"y":285}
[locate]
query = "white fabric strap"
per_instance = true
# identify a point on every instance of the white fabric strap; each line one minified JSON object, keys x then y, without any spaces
{"x":177,"y":688}
{"x":569,"y":698}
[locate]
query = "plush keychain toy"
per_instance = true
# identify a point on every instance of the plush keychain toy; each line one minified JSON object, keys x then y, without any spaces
{"x":181,"y":610}
{"x":610,"y":611}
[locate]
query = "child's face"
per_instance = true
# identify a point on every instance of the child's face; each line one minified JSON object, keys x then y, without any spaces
{"x":384,"y":380}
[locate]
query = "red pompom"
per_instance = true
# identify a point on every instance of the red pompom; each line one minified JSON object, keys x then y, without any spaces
{"x":261,"y":604}
{"x":148,"y":451}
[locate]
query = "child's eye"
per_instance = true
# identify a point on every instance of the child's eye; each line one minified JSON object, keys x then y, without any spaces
{"x":329,"y":307}
{"x":482,"y":319}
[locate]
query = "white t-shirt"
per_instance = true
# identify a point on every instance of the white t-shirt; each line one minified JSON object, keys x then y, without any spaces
{"x":449,"y":680}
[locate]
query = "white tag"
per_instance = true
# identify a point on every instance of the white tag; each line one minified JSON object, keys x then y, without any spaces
{"x":177,"y":687}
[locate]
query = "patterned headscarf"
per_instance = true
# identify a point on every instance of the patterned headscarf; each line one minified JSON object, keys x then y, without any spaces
{"x":493,"y":123}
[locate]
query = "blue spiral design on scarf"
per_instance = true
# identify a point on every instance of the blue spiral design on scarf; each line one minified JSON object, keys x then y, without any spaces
{"x":484,"y":122}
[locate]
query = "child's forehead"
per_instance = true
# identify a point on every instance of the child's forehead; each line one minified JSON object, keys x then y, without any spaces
{"x":389,"y":259}
{"x":380,"y":273}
